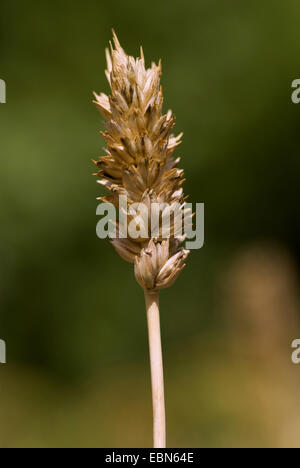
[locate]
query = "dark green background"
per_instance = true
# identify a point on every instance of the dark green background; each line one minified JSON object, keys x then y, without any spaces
{"x":70,"y":310}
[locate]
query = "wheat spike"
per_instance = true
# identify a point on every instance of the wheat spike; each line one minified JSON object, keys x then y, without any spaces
{"x":139,"y":162}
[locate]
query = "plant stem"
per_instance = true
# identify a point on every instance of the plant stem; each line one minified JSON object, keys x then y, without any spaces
{"x":157,"y":374}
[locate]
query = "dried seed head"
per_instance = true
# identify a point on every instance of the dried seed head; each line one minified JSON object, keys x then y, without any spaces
{"x":139,"y":164}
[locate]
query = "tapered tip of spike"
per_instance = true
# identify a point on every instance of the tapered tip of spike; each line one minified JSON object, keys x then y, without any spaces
{"x":115,"y":38}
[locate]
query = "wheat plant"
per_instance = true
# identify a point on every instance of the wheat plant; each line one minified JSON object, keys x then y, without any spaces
{"x":139,"y":166}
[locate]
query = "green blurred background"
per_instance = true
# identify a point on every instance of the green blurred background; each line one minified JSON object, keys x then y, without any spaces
{"x":71,"y":312}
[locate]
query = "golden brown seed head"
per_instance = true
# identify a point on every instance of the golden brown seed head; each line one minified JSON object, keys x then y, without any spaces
{"x":139,"y":163}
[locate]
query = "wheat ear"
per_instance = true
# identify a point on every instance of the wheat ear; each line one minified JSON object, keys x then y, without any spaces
{"x":139,"y":165}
